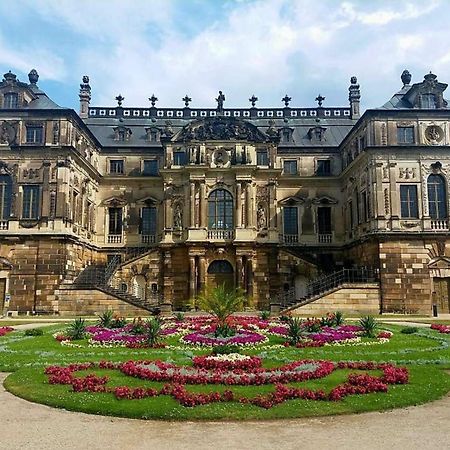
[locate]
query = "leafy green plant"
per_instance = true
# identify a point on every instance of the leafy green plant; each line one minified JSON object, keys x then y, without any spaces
{"x":312,"y":325}
{"x":105,"y":319}
{"x":153,"y":331}
{"x":77,"y":329}
{"x":221,"y":302}
{"x":328,"y":320}
{"x":179,"y":316}
{"x":285,"y":318}
{"x":264,"y":315}
{"x":34,"y":332}
{"x":296,"y":330}
{"x":118,"y":322}
{"x":224,"y":330}
{"x":369,"y":326}
{"x":138,"y":326}
{"x":339,"y":318}
{"x":224,"y":349}
{"x":409,"y":330}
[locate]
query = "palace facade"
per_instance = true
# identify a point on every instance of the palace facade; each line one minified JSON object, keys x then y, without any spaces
{"x":304,"y":208}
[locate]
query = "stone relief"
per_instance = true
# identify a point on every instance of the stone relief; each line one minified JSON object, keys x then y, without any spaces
{"x":407,"y":172}
{"x":434,"y":134}
{"x":261,"y":217}
{"x":387,"y":206}
{"x":8,"y":132}
{"x":31,"y":174}
{"x":178,"y":217}
{"x":383,"y":134}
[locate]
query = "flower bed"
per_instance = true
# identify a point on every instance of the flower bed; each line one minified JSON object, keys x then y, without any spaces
{"x":230,"y":361}
{"x":4,"y":330}
{"x":206,"y":338}
{"x":445,"y":329}
{"x":179,"y":375}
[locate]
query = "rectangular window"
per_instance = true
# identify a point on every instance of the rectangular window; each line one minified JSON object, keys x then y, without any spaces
{"x":365,"y":209}
{"x":150,"y":167}
{"x":323,"y":167}
{"x":115,"y":221}
{"x":11,"y":101}
{"x":324,"y":219}
{"x":35,"y":134}
{"x":290,"y":166}
{"x":30,"y":202}
{"x":428,"y":101}
{"x":408,"y":201}
{"x":405,"y":135}
{"x":290,"y":220}
{"x":116,"y":166}
{"x":5,"y":197}
{"x":350,"y":213}
{"x":179,"y":158}
{"x":148,"y":221}
{"x":262,"y":158}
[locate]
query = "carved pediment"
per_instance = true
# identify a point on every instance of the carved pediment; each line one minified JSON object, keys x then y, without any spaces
{"x":429,"y":86}
{"x":324,"y":200}
{"x":220,"y":129}
{"x":114,"y":202}
{"x":441,"y":262}
{"x":148,"y":201}
{"x":292,"y":201}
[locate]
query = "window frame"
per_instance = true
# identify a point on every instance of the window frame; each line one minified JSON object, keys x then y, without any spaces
{"x":150,"y":173}
{"x":11,"y":105}
{"x":409,"y":204}
{"x":402,"y":135}
{"x":32,"y":132}
{"x":31,"y":199}
{"x":323,"y":173}
{"x":290,"y":221}
{"x":437,"y":197}
{"x":151,"y":229}
{"x":287,"y":163}
{"x":220,"y":210}
{"x":179,"y":154}
{"x":116,"y":220}
{"x":118,"y":162}
{"x":264,"y":154}
{"x":5,"y":196}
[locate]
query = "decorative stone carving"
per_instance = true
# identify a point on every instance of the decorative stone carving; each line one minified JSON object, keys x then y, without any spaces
{"x":383,"y":134}
{"x":178,"y":216}
{"x":407,"y":172}
{"x":168,"y":130}
{"x":434,"y":134}
{"x":8,"y":132}
{"x":387,"y":206}
{"x":220,"y":158}
{"x":261,"y":216}
{"x":30,"y":174}
{"x":220,"y":129}
{"x":220,"y":99}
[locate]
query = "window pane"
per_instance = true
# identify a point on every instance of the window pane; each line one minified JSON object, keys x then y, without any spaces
{"x":30,"y":203}
{"x":149,"y":221}
{"x":408,"y":201}
{"x":116,"y":166}
{"x":428,"y":101}
{"x":179,"y":158}
{"x":35,"y":134}
{"x":324,"y":219}
{"x":261,"y":158}
{"x":150,"y":167}
{"x":323,"y":167}
{"x":290,"y":167}
{"x":220,"y":210}
{"x":11,"y":101}
{"x":405,"y":135}
{"x":437,"y":198}
{"x":290,"y":220}
{"x":115,"y":220}
{"x":5,"y":196}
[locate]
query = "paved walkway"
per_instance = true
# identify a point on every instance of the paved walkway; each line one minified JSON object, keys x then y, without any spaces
{"x":25,"y":425}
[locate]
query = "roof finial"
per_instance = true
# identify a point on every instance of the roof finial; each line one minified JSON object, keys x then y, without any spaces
{"x":253,"y":99}
{"x":406,"y":77}
{"x":319,"y":100}
{"x":286,"y":99}
{"x":33,"y":76}
{"x":120,"y":99}
{"x":153,"y":99}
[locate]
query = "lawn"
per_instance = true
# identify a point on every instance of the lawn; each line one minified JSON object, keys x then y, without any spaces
{"x":425,"y":354}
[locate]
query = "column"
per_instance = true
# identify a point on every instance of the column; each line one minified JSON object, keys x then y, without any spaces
{"x":192,"y":280}
{"x":203,"y":206}
{"x":239,"y":277}
{"x":238,"y":205}
{"x":192,"y":204}
{"x":249,"y":197}
{"x":202,"y":272}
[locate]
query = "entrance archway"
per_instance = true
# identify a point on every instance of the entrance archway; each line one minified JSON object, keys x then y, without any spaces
{"x":138,"y":286}
{"x":221,"y":272}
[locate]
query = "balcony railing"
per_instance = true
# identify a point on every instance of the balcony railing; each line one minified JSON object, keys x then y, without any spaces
{"x":4,"y":224}
{"x":221,"y":234}
{"x":148,"y":238}
{"x":325,"y":238}
{"x":441,"y":224}
{"x":114,"y":238}
{"x":289,"y":238}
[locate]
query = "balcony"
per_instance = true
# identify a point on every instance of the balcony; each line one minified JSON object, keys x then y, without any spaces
{"x":289,"y":238}
{"x":221,"y":234}
{"x":325,"y":238}
{"x":439,"y":224}
{"x":114,"y":238}
{"x":4,"y":224}
{"x":148,"y":238}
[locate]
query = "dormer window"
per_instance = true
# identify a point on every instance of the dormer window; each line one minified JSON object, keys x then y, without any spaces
{"x":317,"y":133}
{"x":428,"y":101}
{"x":122,"y":134}
{"x":286,"y":135}
{"x":11,"y":100}
{"x":153,"y":134}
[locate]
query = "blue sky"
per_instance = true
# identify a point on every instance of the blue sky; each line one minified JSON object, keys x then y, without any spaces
{"x":196,"y":47}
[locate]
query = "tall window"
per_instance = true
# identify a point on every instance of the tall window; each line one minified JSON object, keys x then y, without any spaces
{"x":351,"y":214}
{"x":324,"y":219}
{"x":35,"y":134}
{"x":405,"y":135}
{"x":290,"y":220}
{"x":323,"y":167}
{"x":115,"y":221}
{"x":116,"y":166}
{"x":30,"y":204}
{"x":408,"y":201}
{"x":148,"y":221}
{"x":179,"y":158}
{"x":262,"y":158}
{"x":364,"y":206}
{"x":290,"y":166}
{"x":5,"y":196}
{"x":437,"y":198}
{"x":150,"y":167}
{"x":11,"y":101}
{"x":220,"y":210}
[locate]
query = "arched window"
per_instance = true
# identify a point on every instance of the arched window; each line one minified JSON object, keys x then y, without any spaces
{"x":5,"y":196}
{"x":220,"y":210}
{"x":437,"y":198}
{"x":220,"y":266}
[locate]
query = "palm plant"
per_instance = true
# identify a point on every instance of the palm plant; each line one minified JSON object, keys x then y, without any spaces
{"x":77,"y":329}
{"x":105,"y":319}
{"x":153,"y":331}
{"x":264,"y":315}
{"x":339,"y":318}
{"x":221,"y":302}
{"x":296,"y":330}
{"x":369,"y":326}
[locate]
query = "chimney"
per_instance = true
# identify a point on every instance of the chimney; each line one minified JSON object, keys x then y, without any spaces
{"x":85,"y":97}
{"x":354,"y":96}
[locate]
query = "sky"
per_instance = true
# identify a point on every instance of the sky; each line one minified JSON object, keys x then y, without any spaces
{"x":268,"y":48}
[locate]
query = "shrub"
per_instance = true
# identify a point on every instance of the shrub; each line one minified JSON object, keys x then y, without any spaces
{"x":224,"y":349}
{"x":369,"y":326}
{"x":295,"y":330}
{"x":224,"y":330}
{"x":118,"y":322}
{"x":34,"y":332}
{"x":105,"y":319}
{"x":409,"y":330}
{"x":312,"y":325}
{"x":179,"y":316}
{"x":138,"y":326}
{"x":264,"y":315}
{"x":338,"y":318}
{"x":153,"y":331}
{"x":77,"y":329}
{"x":285,"y":318}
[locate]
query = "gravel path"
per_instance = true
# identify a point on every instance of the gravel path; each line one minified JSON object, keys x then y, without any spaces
{"x":26,"y":425}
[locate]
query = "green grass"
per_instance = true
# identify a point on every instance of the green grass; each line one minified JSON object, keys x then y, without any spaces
{"x":426,"y":354}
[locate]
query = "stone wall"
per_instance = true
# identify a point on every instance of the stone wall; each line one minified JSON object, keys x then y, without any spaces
{"x":350,"y":299}
{"x":76,"y":302}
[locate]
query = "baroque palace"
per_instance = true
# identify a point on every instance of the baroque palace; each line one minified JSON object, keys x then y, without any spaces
{"x":307,"y":209}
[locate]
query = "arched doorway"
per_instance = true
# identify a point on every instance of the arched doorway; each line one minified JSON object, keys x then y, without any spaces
{"x":138,"y":286}
{"x":221,"y":272}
